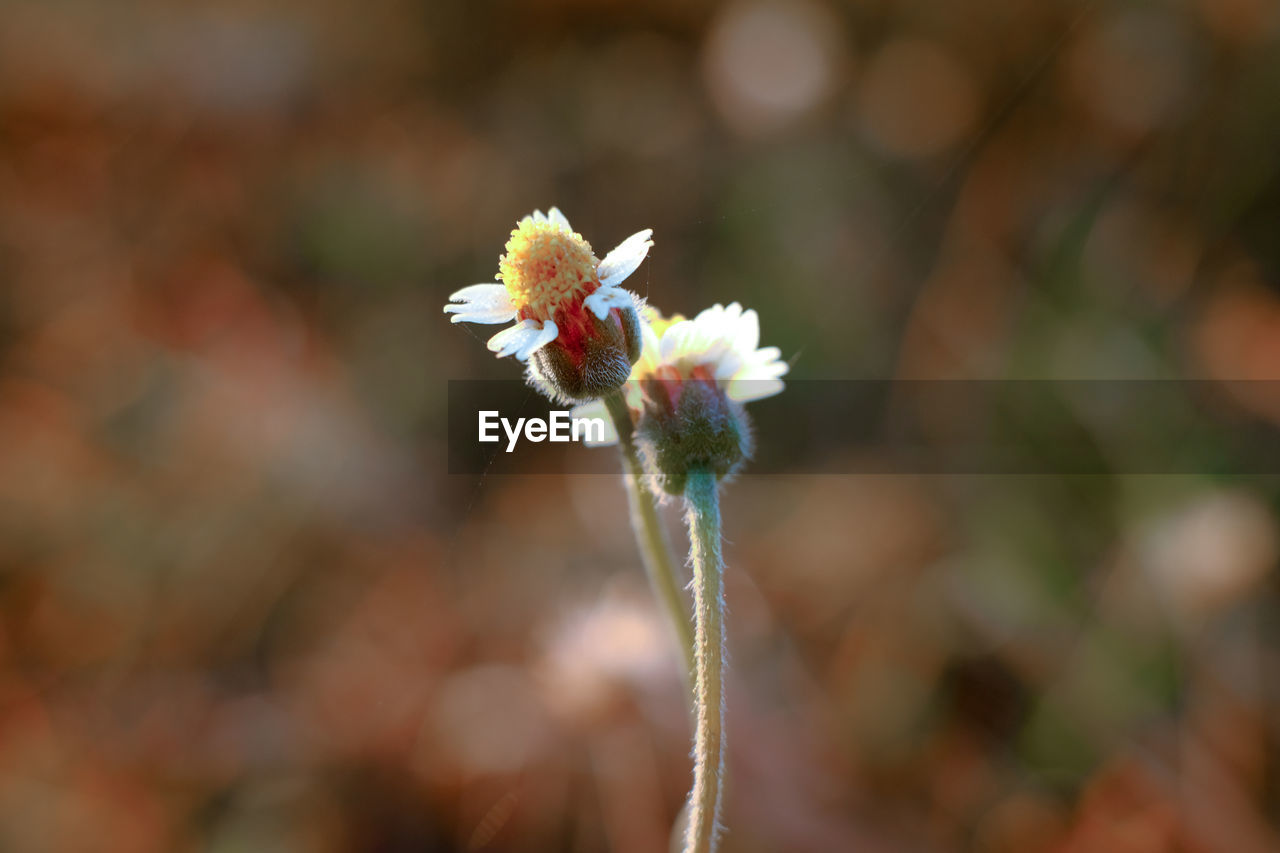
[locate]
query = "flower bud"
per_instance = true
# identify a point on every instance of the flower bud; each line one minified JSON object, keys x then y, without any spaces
{"x":591,"y":357}
{"x":690,"y":423}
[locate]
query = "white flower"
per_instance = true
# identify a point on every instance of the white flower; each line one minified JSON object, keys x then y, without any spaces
{"x":550,"y":279}
{"x":720,"y":343}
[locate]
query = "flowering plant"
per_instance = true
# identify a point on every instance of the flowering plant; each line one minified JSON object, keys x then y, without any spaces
{"x":673,"y":389}
{"x":572,"y":318}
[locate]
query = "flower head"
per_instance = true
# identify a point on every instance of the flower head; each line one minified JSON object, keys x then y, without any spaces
{"x":572,"y":319}
{"x":688,"y":387}
{"x":720,"y":344}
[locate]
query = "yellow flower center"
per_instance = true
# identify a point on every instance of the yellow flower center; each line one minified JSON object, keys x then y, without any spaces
{"x":659,"y":323}
{"x":546,"y":265}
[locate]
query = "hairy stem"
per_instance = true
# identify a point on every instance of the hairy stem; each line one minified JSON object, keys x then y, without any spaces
{"x":708,"y":607}
{"x":651,"y":538}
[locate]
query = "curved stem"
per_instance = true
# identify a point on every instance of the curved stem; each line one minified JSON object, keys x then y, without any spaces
{"x":651,"y":538}
{"x":708,"y":606}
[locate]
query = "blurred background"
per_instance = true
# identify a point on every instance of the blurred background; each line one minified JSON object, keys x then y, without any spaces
{"x":244,"y":608}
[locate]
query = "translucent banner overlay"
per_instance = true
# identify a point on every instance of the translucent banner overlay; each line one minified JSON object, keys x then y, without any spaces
{"x":1064,"y":428}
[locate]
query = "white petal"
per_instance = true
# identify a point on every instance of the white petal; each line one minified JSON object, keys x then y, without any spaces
{"x":481,"y":303}
{"x":772,"y":370}
{"x":710,"y":317}
{"x":509,"y":340}
{"x":468,"y":314}
{"x":679,"y":339}
{"x":624,"y":260}
{"x":763,"y":364}
{"x":558,"y":218}
{"x":487,"y":290}
{"x":720,"y":324}
{"x":548,"y":334}
{"x":538,"y":216}
{"x":596,"y":409}
{"x":775,"y":369}
{"x":728,"y":365}
{"x":523,"y":339}
{"x":746,"y":390}
{"x":747,"y":337}
{"x":608,"y":297}
{"x":697,"y":343}
{"x":765,"y":354}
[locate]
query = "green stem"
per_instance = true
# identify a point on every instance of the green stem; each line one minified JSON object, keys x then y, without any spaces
{"x":708,"y":607}
{"x":651,"y":538}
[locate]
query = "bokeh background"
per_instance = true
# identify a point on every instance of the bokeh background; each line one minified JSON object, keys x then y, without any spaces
{"x":244,"y":608}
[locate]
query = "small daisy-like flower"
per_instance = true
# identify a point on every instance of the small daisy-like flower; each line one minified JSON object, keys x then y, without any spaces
{"x":720,"y":348}
{"x":692,"y":389}
{"x":573,"y":322}
{"x":720,"y":344}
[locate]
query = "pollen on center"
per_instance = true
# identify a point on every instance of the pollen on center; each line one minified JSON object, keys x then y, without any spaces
{"x":545,"y":265}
